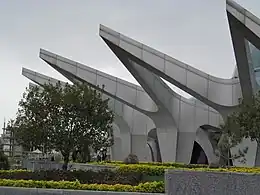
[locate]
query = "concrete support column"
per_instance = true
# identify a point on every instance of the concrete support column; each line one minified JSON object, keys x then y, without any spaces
{"x":125,"y":144}
{"x":116,"y":149}
{"x":154,"y":151}
{"x":185,"y":146}
{"x":203,"y":140}
{"x":140,"y":147}
{"x":167,"y":138}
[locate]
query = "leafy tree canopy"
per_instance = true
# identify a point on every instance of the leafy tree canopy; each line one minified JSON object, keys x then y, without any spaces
{"x":245,"y":121}
{"x":64,"y":118}
{"x":242,"y":123}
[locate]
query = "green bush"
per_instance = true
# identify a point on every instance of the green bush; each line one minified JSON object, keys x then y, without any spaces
{"x":13,"y":171}
{"x":156,"y":170}
{"x":131,"y":174}
{"x":104,"y":176}
{"x":131,"y":159}
{"x":144,"y":169}
{"x":148,"y":187}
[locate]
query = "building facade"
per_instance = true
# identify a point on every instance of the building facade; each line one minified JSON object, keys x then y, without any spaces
{"x":182,"y":127}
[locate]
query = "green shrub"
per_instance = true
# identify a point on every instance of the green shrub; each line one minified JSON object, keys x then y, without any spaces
{"x":131,"y":159}
{"x":148,"y":187}
{"x":144,"y":169}
{"x":159,"y":170}
{"x":14,"y":171}
{"x":131,"y":174}
{"x":104,"y":176}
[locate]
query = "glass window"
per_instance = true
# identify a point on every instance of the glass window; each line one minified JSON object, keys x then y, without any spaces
{"x":255,"y":56}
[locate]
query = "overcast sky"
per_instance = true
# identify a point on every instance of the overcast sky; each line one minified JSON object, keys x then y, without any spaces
{"x":195,"y":32}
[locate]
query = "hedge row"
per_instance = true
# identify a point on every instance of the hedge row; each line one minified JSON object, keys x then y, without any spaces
{"x":86,"y":177}
{"x":165,"y":164}
{"x":132,"y":172}
{"x":128,"y":171}
{"x":148,"y":187}
{"x":14,"y":171}
{"x":158,"y":169}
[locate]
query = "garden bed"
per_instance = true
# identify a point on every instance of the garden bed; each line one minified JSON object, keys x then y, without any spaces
{"x":142,"y":177}
{"x":149,"y":187}
{"x":84,"y":177}
{"x":131,"y":174}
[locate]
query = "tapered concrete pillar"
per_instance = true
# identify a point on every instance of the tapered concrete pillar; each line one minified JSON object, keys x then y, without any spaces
{"x":207,"y":146}
{"x":176,"y":115}
{"x":140,"y":147}
{"x":126,"y":145}
{"x":167,"y":138}
{"x":116,"y":150}
{"x":185,"y":144}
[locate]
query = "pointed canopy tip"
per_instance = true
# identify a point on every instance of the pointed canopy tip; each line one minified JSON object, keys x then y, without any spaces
{"x":42,"y":51}
{"x":46,"y":52}
{"x":235,"y":5}
{"x":23,"y":70}
{"x":28,"y":74}
{"x":106,"y":30}
{"x":26,"y":71}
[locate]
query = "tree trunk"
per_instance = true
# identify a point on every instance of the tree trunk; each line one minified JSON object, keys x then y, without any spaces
{"x":66,"y":161}
{"x":75,"y":155}
{"x":88,"y":155}
{"x":223,"y":149}
{"x":85,"y":154}
{"x":224,"y":158}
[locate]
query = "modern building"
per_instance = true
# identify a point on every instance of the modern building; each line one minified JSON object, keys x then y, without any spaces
{"x":180,"y":128}
{"x":122,"y":135}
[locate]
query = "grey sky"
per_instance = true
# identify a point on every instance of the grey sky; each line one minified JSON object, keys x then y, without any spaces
{"x":195,"y":32}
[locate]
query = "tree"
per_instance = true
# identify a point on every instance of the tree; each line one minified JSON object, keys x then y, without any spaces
{"x":82,"y":154}
{"x":64,"y":118}
{"x":4,"y":163}
{"x":224,"y":146}
{"x":30,"y":128}
{"x":245,"y":122}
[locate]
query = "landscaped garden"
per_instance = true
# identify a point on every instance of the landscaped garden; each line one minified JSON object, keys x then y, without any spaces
{"x":140,"y":177}
{"x":129,"y":176}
